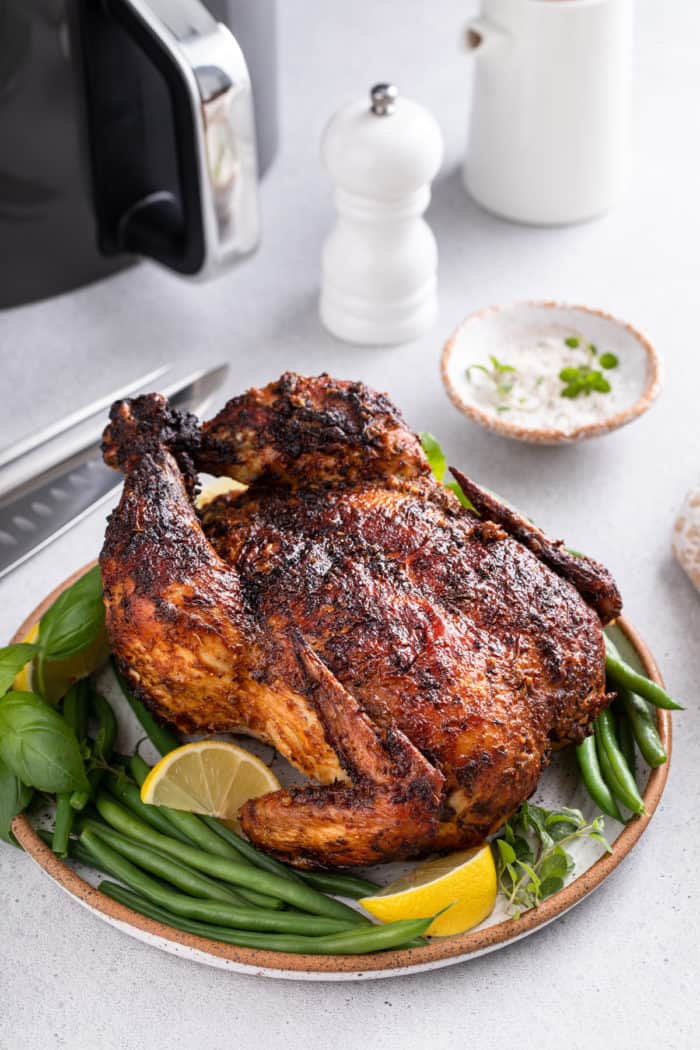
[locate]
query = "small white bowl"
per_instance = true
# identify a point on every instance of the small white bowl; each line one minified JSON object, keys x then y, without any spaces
{"x":492,"y":330}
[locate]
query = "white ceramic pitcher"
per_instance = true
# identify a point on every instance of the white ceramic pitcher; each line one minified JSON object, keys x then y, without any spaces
{"x":549,"y":123}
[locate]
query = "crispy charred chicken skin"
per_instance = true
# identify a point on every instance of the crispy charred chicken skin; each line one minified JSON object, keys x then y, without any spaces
{"x":418,"y":662}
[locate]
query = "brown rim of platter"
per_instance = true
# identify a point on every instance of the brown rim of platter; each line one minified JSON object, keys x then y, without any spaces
{"x":442,"y":948}
{"x":550,"y":435}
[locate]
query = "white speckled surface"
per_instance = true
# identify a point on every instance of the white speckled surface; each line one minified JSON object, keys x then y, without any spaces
{"x":620,"y":970}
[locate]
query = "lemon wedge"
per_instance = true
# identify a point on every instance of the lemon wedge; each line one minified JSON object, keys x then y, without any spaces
{"x":211,"y":777}
{"x":464,"y":883}
{"x":60,"y":674}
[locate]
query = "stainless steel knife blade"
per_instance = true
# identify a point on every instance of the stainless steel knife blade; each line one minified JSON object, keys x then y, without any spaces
{"x":45,"y":508}
{"x":60,"y":426}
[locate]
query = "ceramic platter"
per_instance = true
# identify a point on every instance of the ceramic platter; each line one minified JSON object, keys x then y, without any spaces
{"x":559,"y":785}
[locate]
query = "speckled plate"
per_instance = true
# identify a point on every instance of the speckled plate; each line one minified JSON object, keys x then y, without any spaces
{"x":560,"y":785}
{"x":493,"y":331}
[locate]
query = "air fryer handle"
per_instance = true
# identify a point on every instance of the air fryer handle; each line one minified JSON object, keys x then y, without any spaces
{"x":171,"y":133}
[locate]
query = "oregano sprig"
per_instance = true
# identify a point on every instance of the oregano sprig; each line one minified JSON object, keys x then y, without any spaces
{"x":499,"y":373}
{"x":531,"y":855}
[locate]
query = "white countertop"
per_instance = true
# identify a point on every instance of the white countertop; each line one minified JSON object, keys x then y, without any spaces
{"x":621,"y":970}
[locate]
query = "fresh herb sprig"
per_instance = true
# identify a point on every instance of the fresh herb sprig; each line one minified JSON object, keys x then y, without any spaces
{"x":586,"y":379}
{"x":531,"y":853}
{"x":500,"y":374}
{"x":38,"y":749}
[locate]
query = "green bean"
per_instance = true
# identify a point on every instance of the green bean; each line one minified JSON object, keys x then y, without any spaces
{"x":612,"y":762}
{"x":76,"y":852}
{"x":101,"y":750}
{"x":341,"y":884}
{"x":219,"y":913}
{"x":621,"y":674}
{"x":172,"y":871}
{"x":251,"y":853}
{"x":623,"y":732}
{"x":606,"y":769}
{"x":359,"y":941}
{"x":164,"y":740}
{"x":139,"y":768}
{"x":239,"y":874}
{"x":593,"y":779}
{"x":128,"y":794}
{"x":192,"y":826}
{"x":75,"y":714}
{"x":643,"y":724}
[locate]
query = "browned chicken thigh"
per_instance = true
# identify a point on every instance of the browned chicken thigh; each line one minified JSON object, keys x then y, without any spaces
{"x":416,"y":660}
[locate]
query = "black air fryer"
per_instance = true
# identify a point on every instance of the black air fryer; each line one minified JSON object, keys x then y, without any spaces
{"x":131,"y":128}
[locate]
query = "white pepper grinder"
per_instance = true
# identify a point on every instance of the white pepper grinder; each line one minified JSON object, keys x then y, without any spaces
{"x":379,"y":263}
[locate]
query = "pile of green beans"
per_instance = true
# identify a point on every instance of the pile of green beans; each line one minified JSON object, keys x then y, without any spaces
{"x":405,"y":933}
{"x":75,"y":712}
{"x":217,"y":912}
{"x":607,"y":759}
{"x":195,"y":874}
{"x":80,"y":701}
{"x":237,"y":872}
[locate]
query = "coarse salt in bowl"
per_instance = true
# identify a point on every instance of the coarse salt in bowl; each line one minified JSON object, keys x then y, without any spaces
{"x":502,"y":369}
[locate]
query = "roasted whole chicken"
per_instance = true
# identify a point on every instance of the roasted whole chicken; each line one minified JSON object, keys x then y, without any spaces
{"x":417,"y":660}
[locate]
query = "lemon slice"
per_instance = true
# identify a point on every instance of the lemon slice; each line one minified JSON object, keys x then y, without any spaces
{"x":465,"y":883}
{"x":211,"y":777}
{"x":60,"y":674}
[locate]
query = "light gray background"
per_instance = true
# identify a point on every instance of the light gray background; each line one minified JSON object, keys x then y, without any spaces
{"x":621,"y":970}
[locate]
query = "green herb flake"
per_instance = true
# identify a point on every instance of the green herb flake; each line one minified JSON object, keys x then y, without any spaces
{"x":498,"y":366}
{"x":495,"y":374}
{"x":582,"y":380}
{"x":609,"y":360}
{"x":572,"y":341}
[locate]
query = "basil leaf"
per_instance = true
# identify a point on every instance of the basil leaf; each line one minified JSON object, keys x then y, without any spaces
{"x":14,"y":797}
{"x":12,"y":660}
{"x":464,"y":500}
{"x":74,"y":620}
{"x":38,"y":746}
{"x":434,"y":454}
